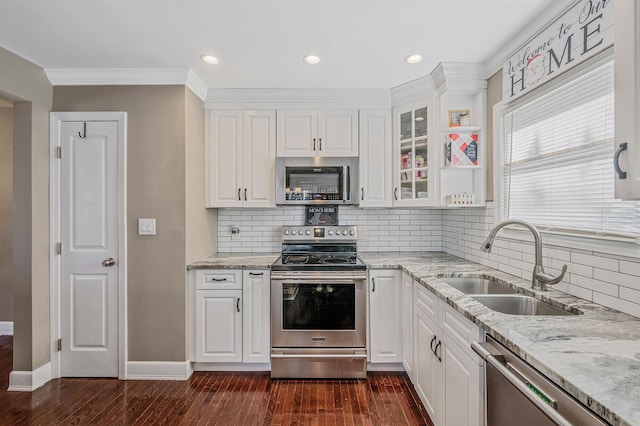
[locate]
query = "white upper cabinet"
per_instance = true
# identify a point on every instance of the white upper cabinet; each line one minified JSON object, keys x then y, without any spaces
{"x":375,"y":155}
{"x":627,"y":99}
{"x":311,"y":133}
{"x":241,"y":152}
{"x":414,"y":155}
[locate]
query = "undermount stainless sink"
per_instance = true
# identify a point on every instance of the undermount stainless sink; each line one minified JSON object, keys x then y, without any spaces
{"x":519,"y":304}
{"x":478,"y":285}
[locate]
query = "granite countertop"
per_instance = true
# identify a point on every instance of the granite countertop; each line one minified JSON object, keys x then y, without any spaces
{"x":594,"y":356}
{"x":235,"y":261}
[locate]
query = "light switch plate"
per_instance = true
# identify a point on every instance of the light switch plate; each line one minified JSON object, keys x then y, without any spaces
{"x":146,"y":226}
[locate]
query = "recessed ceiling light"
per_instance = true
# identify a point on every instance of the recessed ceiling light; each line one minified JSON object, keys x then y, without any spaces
{"x":413,"y":59}
{"x":209,"y":59}
{"x":311,"y":59}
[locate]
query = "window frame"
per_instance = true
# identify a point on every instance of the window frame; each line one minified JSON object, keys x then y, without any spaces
{"x":589,"y":241}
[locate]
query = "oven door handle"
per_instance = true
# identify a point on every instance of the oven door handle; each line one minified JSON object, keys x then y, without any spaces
{"x":319,"y":279}
{"x":359,"y":356}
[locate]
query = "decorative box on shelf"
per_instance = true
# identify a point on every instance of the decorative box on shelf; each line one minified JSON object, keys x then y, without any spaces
{"x":463,"y":199}
{"x":461,"y":147}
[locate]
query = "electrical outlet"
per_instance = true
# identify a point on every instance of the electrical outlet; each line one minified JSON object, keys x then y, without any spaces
{"x":146,"y":227}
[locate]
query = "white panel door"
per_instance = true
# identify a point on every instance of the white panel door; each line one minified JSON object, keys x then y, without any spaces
{"x":89,"y":257}
{"x":219,"y":325}
{"x":297,"y":133}
{"x":375,"y":158}
{"x":224,"y":148}
{"x":463,"y":397}
{"x":407,"y":325}
{"x":338,"y":133}
{"x":384,"y":315}
{"x":256,"y":320}
{"x":259,"y":158}
{"x":429,"y":381}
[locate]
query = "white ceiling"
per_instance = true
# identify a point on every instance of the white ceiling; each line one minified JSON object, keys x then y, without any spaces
{"x":260,"y":43}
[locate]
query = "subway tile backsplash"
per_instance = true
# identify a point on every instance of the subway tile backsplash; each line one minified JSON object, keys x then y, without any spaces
{"x":378,"y":229}
{"x":605,"y":279}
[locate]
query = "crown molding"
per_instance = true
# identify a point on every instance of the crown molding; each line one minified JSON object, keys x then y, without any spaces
{"x":197,"y":85}
{"x":534,"y":27}
{"x":283,"y":98}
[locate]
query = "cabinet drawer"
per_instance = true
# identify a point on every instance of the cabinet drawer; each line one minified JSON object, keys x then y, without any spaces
{"x":461,"y":330}
{"x":427,"y":301}
{"x":222,"y":279}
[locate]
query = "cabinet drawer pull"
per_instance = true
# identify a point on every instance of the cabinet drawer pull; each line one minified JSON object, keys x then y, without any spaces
{"x":238,"y":304}
{"x":616,"y":161}
{"x":218,"y":279}
{"x":435,"y":351}
{"x":257,"y":274}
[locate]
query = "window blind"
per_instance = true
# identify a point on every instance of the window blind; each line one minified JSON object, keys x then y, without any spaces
{"x":558,"y":167}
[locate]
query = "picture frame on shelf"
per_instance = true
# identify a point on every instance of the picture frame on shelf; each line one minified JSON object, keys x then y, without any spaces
{"x":459,"y":117}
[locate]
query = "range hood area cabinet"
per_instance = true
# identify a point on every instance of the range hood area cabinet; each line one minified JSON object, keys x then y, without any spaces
{"x":627,"y":99}
{"x":317,"y":133}
{"x":240,"y":153}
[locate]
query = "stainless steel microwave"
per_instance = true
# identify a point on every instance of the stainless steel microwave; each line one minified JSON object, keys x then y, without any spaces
{"x":316,"y":180}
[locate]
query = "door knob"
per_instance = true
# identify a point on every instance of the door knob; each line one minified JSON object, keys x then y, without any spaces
{"x":108,"y":262}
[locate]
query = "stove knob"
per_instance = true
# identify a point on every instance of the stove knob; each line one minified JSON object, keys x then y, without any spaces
{"x":294,"y":232}
{"x":286,"y":232}
{"x":344,"y":232}
{"x":352,"y":232}
{"x":308,"y":232}
{"x":330,"y":232}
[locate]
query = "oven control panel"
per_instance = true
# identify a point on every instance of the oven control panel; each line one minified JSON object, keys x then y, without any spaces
{"x":319,"y":233}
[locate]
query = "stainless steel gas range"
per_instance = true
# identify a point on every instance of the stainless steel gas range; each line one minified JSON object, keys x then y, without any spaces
{"x":318,"y":305}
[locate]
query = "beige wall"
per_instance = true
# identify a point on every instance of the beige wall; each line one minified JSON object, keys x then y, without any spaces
{"x":155,"y":189}
{"x":22,"y":80}
{"x":201,"y":223}
{"x":6,"y":191}
{"x":494,"y":95}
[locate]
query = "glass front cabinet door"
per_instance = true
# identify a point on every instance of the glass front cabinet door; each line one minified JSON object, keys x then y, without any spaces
{"x":413,"y":150}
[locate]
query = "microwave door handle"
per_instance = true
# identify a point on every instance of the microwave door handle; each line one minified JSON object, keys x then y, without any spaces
{"x":346,"y":184}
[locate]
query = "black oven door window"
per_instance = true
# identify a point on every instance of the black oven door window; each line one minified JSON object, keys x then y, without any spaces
{"x":318,"y":306}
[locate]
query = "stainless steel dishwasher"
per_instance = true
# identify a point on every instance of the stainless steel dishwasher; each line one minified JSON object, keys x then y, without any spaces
{"x":517,"y":394}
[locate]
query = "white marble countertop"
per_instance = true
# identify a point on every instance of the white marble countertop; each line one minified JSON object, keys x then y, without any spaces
{"x":594,"y":356}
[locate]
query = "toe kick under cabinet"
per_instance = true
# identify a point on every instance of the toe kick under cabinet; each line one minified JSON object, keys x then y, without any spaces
{"x":230,"y":314}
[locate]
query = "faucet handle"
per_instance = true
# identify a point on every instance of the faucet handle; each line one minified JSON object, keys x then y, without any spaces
{"x":545,"y":278}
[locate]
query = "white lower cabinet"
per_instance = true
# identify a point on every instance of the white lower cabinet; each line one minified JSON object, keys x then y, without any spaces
{"x":384,"y":316}
{"x":232,"y":316}
{"x":218,"y":326}
{"x":448,"y":375}
{"x":407,"y":325}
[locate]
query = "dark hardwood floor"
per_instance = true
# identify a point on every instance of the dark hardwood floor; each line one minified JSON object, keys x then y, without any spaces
{"x":212,"y":399}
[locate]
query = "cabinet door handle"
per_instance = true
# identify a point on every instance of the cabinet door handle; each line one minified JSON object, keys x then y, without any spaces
{"x":238,"y":304}
{"x":245,"y":194}
{"x":361,"y":194}
{"x":257,"y":274}
{"x":218,"y":279}
{"x":431,"y":344}
{"x":239,"y":199}
{"x":320,"y":144}
{"x":395,"y":193}
{"x":314,"y":144}
{"x":373,"y":284}
{"x":435,"y":351}
{"x":616,"y":161}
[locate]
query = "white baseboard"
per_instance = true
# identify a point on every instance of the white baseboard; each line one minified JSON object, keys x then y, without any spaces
{"x":6,"y":328}
{"x":158,"y":370}
{"x":386,"y":366}
{"x":230,"y":366}
{"x":28,"y":381}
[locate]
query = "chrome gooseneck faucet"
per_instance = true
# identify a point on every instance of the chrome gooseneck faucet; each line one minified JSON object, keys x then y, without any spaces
{"x":540,"y":279}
